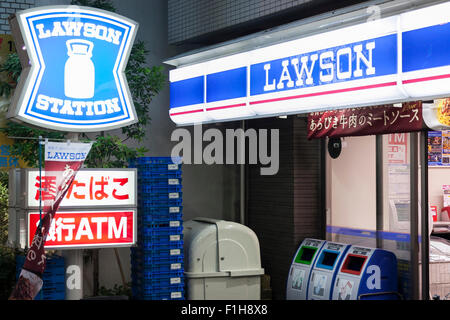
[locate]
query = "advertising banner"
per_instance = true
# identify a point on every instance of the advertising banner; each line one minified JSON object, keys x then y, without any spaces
{"x":366,"y":121}
{"x":62,"y":160}
{"x":87,"y":229}
{"x":434,"y":148}
{"x":436,"y":114}
{"x":439,"y":148}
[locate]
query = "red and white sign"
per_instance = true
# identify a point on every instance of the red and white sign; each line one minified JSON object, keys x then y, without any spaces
{"x":90,"y":188}
{"x":92,"y":229}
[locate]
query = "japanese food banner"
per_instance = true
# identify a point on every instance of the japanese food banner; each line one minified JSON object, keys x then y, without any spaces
{"x":366,"y":120}
{"x":62,"y":160}
{"x":436,"y":114}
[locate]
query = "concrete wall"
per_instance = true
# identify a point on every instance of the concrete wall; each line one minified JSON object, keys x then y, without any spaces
{"x":352,"y":180}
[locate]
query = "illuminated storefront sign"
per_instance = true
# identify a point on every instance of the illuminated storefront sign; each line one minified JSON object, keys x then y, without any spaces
{"x":399,"y":58}
{"x":91,"y":188}
{"x":75,"y":79}
{"x":87,"y":229}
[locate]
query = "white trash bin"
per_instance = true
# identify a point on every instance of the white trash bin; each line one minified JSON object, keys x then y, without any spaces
{"x":222,"y":261}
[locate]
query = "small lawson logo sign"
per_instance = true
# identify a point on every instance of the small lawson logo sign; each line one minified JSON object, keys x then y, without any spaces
{"x":69,"y":156}
{"x":74,"y":60}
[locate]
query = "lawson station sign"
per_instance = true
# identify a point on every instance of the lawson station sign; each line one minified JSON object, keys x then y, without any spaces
{"x":73,"y":62}
{"x":399,"y":58}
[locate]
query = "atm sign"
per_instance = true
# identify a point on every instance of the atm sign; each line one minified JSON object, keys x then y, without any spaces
{"x":91,"y":229}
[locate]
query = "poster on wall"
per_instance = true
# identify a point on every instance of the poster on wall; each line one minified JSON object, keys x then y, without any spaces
{"x":439,"y":148}
{"x":434,"y":148}
{"x":446,"y":148}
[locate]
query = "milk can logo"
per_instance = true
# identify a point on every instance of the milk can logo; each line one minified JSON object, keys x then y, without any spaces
{"x":75,"y":78}
{"x":79,"y":71}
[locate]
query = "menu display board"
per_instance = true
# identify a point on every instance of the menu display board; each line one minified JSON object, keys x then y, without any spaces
{"x":439,"y":148}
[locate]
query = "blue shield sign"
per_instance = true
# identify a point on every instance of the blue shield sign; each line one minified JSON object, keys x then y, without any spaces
{"x":73,"y":62}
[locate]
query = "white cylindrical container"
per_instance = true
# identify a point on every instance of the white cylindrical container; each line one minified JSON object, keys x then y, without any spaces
{"x":79,"y":71}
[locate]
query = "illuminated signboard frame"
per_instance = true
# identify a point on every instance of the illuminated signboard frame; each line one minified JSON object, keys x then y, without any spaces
{"x":130,"y":173}
{"x":378,"y":62}
{"x":24,"y":103}
{"x":85,"y":214}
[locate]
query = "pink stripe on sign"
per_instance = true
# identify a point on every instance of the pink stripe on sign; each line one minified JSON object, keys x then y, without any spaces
{"x":442,"y":76}
{"x":314,"y":94}
{"x":186,"y":112}
{"x":209,"y":109}
{"x":226,"y":107}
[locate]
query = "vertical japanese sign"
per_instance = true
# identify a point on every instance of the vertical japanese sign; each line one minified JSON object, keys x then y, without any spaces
{"x":62,"y":160}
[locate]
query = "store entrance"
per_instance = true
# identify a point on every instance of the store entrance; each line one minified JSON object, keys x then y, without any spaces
{"x":370,"y":188}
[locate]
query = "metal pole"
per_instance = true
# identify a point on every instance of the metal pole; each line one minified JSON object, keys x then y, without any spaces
{"x":379,"y":189}
{"x":425,"y":244}
{"x":74,"y":262}
{"x":40,"y":179}
{"x":242,"y":217}
{"x":323,"y":187}
{"x":414,"y":196}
